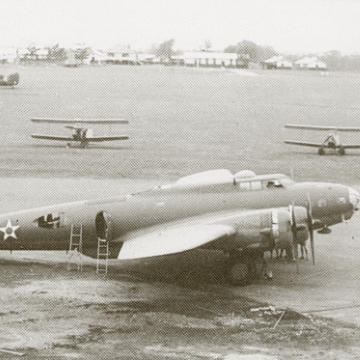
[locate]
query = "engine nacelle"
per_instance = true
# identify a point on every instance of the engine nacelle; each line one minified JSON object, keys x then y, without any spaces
{"x":268,"y":228}
{"x":281,"y":227}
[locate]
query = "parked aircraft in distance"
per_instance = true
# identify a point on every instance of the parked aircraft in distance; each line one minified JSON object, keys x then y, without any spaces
{"x":242,"y":215}
{"x":332,"y":140}
{"x":81,"y":136}
{"x":11,"y":80}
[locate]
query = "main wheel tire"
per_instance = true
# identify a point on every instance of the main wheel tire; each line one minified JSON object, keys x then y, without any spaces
{"x":258,"y":268}
{"x":321,"y":151}
{"x":239,"y":273}
{"x":341,"y":151}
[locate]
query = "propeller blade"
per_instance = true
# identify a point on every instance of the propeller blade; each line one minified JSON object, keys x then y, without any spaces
{"x":311,"y":228}
{"x":294,"y":236}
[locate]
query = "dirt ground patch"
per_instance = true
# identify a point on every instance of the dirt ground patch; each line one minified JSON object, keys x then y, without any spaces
{"x":49,"y":311}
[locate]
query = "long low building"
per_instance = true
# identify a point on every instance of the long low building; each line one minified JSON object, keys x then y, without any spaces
{"x":210,"y":59}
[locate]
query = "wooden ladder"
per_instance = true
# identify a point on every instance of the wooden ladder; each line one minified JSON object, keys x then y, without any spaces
{"x":75,"y":248}
{"x":102,"y":256}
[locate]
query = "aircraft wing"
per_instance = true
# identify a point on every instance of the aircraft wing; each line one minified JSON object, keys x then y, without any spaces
{"x":79,"y":121}
{"x":302,"y":143}
{"x":173,"y":240}
{"x":214,"y":231}
{"x":106,"y":138}
{"x":316,"y":127}
{"x":52,"y":137}
{"x":351,"y":146}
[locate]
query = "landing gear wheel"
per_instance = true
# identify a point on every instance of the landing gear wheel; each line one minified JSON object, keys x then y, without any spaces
{"x":239,"y":270}
{"x":341,"y":151}
{"x":324,"y":230}
{"x":321,"y":151}
{"x":239,"y":274}
{"x":259,"y":267}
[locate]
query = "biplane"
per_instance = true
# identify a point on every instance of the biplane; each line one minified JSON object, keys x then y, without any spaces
{"x":11,"y":80}
{"x":332,"y":140}
{"x":81,"y":136}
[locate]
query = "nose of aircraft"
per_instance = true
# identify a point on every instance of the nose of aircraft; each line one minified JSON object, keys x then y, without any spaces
{"x":354,"y":198}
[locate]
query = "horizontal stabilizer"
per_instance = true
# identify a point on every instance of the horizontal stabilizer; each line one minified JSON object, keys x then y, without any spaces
{"x":316,"y":127}
{"x":302,"y":143}
{"x":79,"y":121}
{"x":173,"y":240}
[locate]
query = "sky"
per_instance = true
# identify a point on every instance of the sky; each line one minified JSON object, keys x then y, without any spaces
{"x":289,"y":26}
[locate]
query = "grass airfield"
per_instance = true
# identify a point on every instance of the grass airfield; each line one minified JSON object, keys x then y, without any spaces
{"x":181,"y":121}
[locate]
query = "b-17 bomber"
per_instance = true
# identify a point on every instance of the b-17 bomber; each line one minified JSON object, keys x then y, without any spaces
{"x":241,"y":214}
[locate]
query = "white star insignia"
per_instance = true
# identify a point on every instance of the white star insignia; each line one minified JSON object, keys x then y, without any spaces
{"x":9,"y":230}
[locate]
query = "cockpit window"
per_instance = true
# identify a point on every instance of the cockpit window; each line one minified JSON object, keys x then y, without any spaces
{"x":272,"y":184}
{"x":278,"y":183}
{"x":285,"y":181}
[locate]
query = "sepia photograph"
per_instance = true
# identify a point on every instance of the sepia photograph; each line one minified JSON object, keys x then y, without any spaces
{"x":180,"y":179}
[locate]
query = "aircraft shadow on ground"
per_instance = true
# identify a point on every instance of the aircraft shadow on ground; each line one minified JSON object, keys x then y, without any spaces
{"x":193,"y":268}
{"x":305,"y":155}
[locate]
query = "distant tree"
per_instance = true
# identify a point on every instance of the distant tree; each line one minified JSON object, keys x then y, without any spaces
{"x":207,"y":45}
{"x":56,"y":53}
{"x":254,"y":52}
{"x":82,"y":54}
{"x":32,"y":52}
{"x":165,"y":49}
{"x":334,"y":60}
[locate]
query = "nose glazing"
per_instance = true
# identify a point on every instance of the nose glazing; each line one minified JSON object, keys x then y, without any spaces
{"x":354,"y":198}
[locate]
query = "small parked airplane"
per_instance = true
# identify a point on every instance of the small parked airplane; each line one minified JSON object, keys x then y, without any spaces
{"x":81,"y":136}
{"x":11,"y":80}
{"x":242,"y":215}
{"x":332,"y":140}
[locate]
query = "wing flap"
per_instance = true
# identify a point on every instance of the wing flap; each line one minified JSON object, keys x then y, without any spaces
{"x":302,"y":143}
{"x":52,"y":137}
{"x":173,"y":240}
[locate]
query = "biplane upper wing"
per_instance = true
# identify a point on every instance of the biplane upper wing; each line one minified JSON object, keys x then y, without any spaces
{"x":302,"y":143}
{"x":316,"y":127}
{"x":80,"y":121}
{"x":106,"y":138}
{"x":52,"y":137}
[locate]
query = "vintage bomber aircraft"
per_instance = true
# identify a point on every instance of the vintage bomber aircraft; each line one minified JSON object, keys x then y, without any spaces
{"x":332,"y":140}
{"x":242,"y":215}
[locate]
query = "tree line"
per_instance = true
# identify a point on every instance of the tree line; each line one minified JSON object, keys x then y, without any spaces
{"x":248,"y":50}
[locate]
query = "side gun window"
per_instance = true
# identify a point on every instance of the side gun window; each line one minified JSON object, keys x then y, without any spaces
{"x":50,"y":221}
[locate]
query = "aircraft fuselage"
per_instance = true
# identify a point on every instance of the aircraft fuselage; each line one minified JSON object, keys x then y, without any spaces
{"x":48,"y":228}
